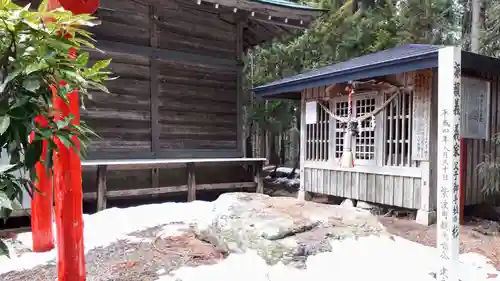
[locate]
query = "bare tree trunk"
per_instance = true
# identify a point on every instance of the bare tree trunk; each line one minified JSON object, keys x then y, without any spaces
{"x":274,"y":156}
{"x":296,"y":140}
{"x":282,"y":148}
{"x":475,"y":26}
{"x":295,"y":164}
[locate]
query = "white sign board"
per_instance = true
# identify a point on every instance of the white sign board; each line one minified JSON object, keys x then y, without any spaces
{"x":475,"y":108}
{"x":311,"y":114}
{"x":421,"y":116}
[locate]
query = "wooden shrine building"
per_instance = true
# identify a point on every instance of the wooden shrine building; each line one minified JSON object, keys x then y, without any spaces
{"x":395,"y":153}
{"x":177,"y":104}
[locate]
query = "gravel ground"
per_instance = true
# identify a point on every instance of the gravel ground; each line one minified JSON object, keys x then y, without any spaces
{"x":134,"y":260}
{"x":477,"y":235}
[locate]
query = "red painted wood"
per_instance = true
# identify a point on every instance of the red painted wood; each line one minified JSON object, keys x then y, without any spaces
{"x":68,"y":174}
{"x":462,"y":171}
{"x":41,"y":204}
{"x":69,"y":197}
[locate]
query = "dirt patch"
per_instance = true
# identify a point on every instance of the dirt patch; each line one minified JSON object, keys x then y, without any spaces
{"x":477,"y":235}
{"x":134,"y":260}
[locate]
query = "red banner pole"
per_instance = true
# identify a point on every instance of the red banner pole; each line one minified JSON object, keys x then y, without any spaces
{"x":68,"y":175}
{"x":68,"y":189}
{"x":462,"y":171}
{"x":41,"y":204}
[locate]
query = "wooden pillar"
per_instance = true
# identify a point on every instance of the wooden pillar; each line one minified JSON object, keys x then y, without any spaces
{"x":448,"y":142}
{"x":102,"y":188}
{"x":41,"y":204}
{"x":67,"y":173}
{"x":191,"y":182}
{"x":239,"y":82}
{"x":463,"y":169}
{"x":258,"y":177}
{"x":154,"y":92}
{"x":302,"y":194}
{"x":69,"y":197}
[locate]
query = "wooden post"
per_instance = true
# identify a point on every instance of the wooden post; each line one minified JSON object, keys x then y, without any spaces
{"x":154,"y":82}
{"x":303,"y":194}
{"x":41,"y":204}
{"x":68,"y":175}
{"x":102,"y":188}
{"x":258,"y":177}
{"x":448,"y":157}
{"x":241,"y":19}
{"x":463,"y":171}
{"x":69,"y":197}
{"x":191,"y":182}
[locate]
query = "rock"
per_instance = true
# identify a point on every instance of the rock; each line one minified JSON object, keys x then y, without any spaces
{"x":282,"y":229}
{"x":347,"y":203}
{"x":365,"y":205}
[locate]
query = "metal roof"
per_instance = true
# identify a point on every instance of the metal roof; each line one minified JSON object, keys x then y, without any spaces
{"x":399,"y":59}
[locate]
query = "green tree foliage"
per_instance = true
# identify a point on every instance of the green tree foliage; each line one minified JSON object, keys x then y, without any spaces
{"x":349,"y":29}
{"x":491,"y":33}
{"x":34,"y":54}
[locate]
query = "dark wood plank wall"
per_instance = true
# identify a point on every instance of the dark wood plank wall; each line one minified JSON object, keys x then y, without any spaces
{"x":478,"y":150}
{"x":189,"y":88}
{"x":177,"y":91}
{"x":122,"y":119}
{"x":184,"y":99}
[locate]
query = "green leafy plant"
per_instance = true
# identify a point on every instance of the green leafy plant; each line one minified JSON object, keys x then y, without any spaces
{"x":489,"y":171}
{"x":38,"y":48}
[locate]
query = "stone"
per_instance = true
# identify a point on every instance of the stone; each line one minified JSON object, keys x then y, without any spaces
{"x":365,"y":205}
{"x":426,"y":217}
{"x":347,"y":203}
{"x":282,"y":229}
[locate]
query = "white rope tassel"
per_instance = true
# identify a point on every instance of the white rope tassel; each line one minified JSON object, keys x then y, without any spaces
{"x":373,"y":122}
{"x":347,"y":156}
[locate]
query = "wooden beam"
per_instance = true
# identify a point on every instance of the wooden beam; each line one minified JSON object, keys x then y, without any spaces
{"x":154,"y":83}
{"x":136,"y":50}
{"x":172,"y":154}
{"x":101,"y":187}
{"x":239,"y":84}
{"x":169,"y":190}
{"x":273,"y":10}
{"x":277,"y":23}
{"x":191,"y":182}
{"x":15,"y":230}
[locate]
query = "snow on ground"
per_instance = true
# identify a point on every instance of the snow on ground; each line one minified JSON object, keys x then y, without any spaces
{"x":103,"y":228}
{"x":294,"y":181}
{"x":368,"y":258}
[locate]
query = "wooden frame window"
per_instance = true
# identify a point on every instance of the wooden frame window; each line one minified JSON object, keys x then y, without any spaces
{"x":386,"y":144}
{"x":398,"y":135}
{"x":365,"y":142}
{"x":317,"y":136}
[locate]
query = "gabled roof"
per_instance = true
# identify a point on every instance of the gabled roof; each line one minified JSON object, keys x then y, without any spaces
{"x":392,"y":61}
{"x":268,"y":19}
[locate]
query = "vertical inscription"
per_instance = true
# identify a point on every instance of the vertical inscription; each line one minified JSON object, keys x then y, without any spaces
{"x":449,"y":106}
{"x":421,"y":115}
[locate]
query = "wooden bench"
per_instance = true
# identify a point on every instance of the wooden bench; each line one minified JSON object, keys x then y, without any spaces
{"x":103,"y":166}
